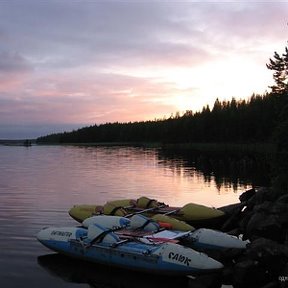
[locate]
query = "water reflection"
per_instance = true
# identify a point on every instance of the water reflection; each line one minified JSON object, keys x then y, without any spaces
{"x":226,"y":170}
{"x":39,"y":184}
{"x":79,"y":271}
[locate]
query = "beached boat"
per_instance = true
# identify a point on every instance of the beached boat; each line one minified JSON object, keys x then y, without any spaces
{"x":138,"y":225}
{"x":192,"y":213}
{"x":101,"y":245}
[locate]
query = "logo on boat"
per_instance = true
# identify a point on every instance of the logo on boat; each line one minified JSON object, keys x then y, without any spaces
{"x":179,"y":258}
{"x":61,"y":233}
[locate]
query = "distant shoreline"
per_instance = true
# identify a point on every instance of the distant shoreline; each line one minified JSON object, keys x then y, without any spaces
{"x":223,"y":147}
{"x":17,"y":142}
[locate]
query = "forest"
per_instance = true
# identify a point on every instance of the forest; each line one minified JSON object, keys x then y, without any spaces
{"x":240,"y":121}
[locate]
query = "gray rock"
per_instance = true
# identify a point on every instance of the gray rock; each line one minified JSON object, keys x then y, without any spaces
{"x":283,"y":198}
{"x":260,"y":196}
{"x":272,"y":284}
{"x":249,"y":274}
{"x":244,"y":197}
{"x":265,"y":225}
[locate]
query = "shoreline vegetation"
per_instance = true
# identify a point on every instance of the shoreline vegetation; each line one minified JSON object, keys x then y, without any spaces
{"x":17,"y":142}
{"x":251,"y":121}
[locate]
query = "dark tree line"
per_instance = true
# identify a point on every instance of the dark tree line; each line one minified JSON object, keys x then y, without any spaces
{"x":228,"y":121}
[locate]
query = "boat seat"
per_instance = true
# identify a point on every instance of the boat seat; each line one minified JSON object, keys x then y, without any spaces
{"x":98,"y":233}
{"x":141,"y":222}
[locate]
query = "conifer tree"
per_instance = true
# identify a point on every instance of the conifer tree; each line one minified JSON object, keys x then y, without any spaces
{"x":280,"y":65}
{"x":280,"y":167}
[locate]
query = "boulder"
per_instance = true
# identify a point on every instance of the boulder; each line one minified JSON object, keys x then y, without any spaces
{"x":272,"y":284}
{"x":263,"y":207}
{"x":249,"y":274}
{"x":283,"y":199}
{"x":232,"y":222}
{"x":269,"y":254}
{"x":262,"y":217}
{"x":264,"y":225}
{"x":260,"y":196}
{"x":244,"y":197}
{"x":264,"y":245}
{"x":279,"y":207}
{"x":226,"y":256}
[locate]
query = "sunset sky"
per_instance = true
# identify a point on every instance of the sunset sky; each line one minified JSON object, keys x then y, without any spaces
{"x":65,"y":64}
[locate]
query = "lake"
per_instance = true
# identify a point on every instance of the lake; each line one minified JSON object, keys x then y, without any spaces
{"x":39,"y":184}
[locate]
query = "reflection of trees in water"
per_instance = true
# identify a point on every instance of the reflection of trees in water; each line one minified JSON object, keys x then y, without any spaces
{"x":226,"y":169}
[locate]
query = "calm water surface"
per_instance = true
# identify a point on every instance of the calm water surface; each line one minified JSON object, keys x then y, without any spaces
{"x":39,"y":184}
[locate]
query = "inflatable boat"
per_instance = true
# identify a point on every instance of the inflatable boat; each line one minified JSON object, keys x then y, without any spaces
{"x":191,"y":213}
{"x":101,"y":245}
{"x":138,"y":225}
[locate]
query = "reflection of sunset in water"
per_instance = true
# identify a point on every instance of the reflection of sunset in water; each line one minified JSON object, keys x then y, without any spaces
{"x":59,"y":177}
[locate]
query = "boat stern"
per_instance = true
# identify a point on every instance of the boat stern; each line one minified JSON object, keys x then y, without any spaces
{"x":212,"y":239}
{"x":187,"y":260}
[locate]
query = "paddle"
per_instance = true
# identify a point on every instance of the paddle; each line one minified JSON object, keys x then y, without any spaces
{"x":130,"y":207}
{"x":134,"y":213}
{"x":113,"y":210}
{"x":172,"y":211}
{"x":133,"y":207}
{"x":151,"y":239}
{"x":145,"y":210}
{"x":153,"y":208}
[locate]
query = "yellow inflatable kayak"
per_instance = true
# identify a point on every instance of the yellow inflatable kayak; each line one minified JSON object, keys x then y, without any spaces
{"x":192,"y":213}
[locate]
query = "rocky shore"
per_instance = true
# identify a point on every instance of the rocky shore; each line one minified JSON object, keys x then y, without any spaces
{"x":262,"y":218}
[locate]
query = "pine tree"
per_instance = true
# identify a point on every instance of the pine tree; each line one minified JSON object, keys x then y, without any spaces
{"x":280,"y":166}
{"x":280,"y":76}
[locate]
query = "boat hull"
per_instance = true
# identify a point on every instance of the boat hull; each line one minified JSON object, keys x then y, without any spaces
{"x":168,"y":259}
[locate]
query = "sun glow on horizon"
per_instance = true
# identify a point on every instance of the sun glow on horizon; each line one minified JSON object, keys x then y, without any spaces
{"x":202,"y":85}
{"x":192,"y":88}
